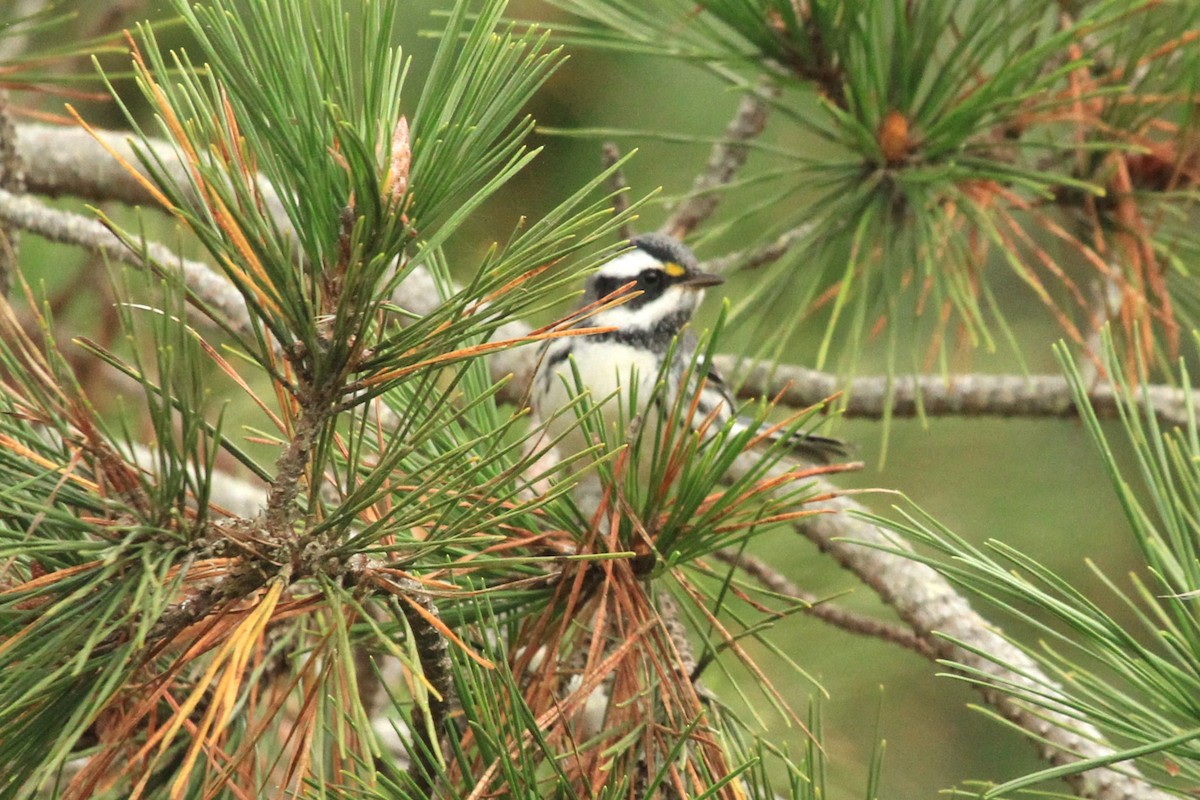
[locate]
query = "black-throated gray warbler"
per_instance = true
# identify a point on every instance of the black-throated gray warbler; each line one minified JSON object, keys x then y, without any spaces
{"x":628,"y":360}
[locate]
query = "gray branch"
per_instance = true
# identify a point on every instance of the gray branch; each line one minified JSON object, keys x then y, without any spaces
{"x":69,"y":162}
{"x":753,"y":259}
{"x":829,"y":613}
{"x":29,"y":214}
{"x":934,"y":609}
{"x":726,"y":159}
{"x":12,"y":178}
{"x":974,"y":395}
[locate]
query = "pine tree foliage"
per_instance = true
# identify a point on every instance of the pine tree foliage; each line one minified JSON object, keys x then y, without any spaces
{"x":957,"y":138}
{"x":1127,"y":661}
{"x":419,"y":604}
{"x":413,"y":613}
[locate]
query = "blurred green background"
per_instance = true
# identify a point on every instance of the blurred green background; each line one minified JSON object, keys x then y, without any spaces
{"x":1036,"y":485}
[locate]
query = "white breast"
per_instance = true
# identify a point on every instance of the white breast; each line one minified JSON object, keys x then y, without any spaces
{"x":609,"y":372}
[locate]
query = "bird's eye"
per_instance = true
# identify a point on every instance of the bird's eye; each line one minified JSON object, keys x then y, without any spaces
{"x":651,"y":278}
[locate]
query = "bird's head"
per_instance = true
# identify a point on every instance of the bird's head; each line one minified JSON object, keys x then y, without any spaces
{"x":666,"y":277}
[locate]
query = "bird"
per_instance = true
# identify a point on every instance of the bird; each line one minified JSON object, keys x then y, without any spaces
{"x":627,"y":360}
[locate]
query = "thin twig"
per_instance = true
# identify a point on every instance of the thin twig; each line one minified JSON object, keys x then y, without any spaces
{"x":610,"y":155}
{"x":836,"y":616}
{"x":753,"y":259}
{"x":726,"y":159}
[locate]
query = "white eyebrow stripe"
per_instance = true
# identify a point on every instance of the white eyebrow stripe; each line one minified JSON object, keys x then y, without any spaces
{"x":628,"y":265}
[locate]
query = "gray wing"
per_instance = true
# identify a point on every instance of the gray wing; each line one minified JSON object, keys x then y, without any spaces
{"x":810,"y":447}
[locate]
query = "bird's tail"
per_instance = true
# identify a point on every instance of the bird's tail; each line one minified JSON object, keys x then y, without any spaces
{"x":818,"y":449}
{"x":809,"y":446}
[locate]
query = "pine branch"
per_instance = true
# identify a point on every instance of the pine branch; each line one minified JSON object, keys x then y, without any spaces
{"x":727,"y":158}
{"x":64,"y":161}
{"x":430,"y":724}
{"x":12,"y":178}
{"x":610,"y":156}
{"x":939,"y":614}
{"x":234,"y":586}
{"x":668,"y":610}
{"x":71,"y":162}
{"x":830,"y":613}
{"x":316,"y":409}
{"x":1040,"y":396}
{"x":760,"y":257}
{"x":924,"y":600}
{"x":429,"y":721}
{"x":28,"y":214}
{"x":974,"y":395}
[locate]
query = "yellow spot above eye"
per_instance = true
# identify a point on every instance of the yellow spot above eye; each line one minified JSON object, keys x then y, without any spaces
{"x":674,"y":270}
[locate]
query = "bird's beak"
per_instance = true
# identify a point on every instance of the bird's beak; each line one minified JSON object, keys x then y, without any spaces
{"x":702,"y":280}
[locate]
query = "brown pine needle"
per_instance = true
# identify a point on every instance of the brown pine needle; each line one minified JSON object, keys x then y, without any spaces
{"x":133,"y":171}
{"x":733,"y":645}
{"x":48,"y":579}
{"x":232,"y":661}
{"x":228,"y":658}
{"x":227,"y":368}
{"x":13,"y":446}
